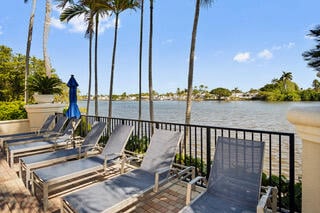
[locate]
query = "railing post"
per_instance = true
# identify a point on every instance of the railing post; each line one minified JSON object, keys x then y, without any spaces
{"x":208,"y":151}
{"x":291,"y":172}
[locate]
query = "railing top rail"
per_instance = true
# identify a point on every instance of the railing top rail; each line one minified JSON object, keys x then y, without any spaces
{"x":205,"y":126}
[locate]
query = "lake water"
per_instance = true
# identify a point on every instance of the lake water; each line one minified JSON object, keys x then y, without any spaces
{"x":257,"y":115}
{"x":237,"y":114}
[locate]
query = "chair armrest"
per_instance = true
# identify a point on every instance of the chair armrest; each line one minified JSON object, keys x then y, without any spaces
{"x":189,"y":187}
{"x":83,"y":146}
{"x":187,"y":171}
{"x":269,"y":199}
{"x":106,"y":159}
{"x":131,"y":158}
{"x":162,"y":170}
{"x":111,"y":154}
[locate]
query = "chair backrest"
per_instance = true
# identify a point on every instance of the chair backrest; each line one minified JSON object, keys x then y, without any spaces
{"x":117,"y":140}
{"x":93,"y":136}
{"x":71,"y":126}
{"x":161,"y":150}
{"x":61,"y":120}
{"x":237,"y":169}
{"x":45,"y":126}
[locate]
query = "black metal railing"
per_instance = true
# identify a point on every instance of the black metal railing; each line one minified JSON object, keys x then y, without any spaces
{"x":197,"y":149}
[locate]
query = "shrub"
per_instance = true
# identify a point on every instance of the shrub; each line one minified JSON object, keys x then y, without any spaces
{"x":284,"y":190}
{"x":12,"y":110}
{"x":186,"y":160}
{"x":137,"y":145}
{"x":43,"y":84}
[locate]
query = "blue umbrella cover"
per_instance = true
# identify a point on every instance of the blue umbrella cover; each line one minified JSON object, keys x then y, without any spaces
{"x":73,"y":110}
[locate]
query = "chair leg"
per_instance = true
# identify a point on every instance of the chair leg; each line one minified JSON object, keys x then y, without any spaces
{"x":274,"y":199}
{"x":20,"y":169}
{"x":27,"y":177}
{"x":189,"y":191}
{"x":45,"y":197}
{"x":32,"y":185}
{"x":156,"y":183}
{"x":11,"y":159}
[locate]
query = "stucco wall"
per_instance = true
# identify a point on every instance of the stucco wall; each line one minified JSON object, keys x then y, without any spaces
{"x":14,"y":126}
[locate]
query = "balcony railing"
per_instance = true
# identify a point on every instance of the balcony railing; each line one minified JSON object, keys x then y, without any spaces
{"x":197,"y":149}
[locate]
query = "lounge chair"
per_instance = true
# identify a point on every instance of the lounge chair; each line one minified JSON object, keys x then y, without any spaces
{"x":56,"y":131}
{"x":45,"y":127}
{"x":90,"y":142}
{"x":46,"y":145}
{"x":235,"y":179}
{"x":117,"y":193}
{"x":65,"y":174}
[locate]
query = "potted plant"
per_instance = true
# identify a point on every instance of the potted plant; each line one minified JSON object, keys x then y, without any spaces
{"x":44,"y":87}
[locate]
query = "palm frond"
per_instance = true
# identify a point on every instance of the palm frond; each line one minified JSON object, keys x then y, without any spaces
{"x":72,"y":11}
{"x":63,"y":3}
{"x":206,"y":3}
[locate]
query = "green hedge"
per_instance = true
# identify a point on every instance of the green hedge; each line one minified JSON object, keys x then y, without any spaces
{"x":284,"y":190}
{"x":12,"y":110}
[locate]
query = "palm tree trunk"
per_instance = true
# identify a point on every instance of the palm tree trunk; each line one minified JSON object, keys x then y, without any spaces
{"x":191,"y":62}
{"x":31,"y":21}
{"x":140,"y":65}
{"x":90,"y":73}
{"x":45,"y":38}
{"x":150,"y":64}
{"x":140,"y":58}
{"x":112,"y":65}
{"x":96,"y":68}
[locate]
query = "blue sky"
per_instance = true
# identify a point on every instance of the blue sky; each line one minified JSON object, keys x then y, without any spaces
{"x":242,"y":44}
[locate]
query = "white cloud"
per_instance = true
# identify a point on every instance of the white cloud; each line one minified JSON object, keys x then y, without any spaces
{"x":308,"y":37}
{"x":168,"y":41}
{"x":242,"y":57}
{"x":284,"y":46}
{"x":77,"y":24}
{"x":107,"y":23}
{"x":290,"y":45}
{"x":265,"y":54}
{"x":276,"y":47}
{"x":57,"y":23}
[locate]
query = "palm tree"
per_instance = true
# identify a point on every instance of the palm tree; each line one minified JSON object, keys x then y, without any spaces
{"x":150,"y":63}
{"x":96,"y":67}
{"x":312,"y":55}
{"x":68,"y":14}
{"x":316,"y":85}
{"x":45,"y":38}
{"x":30,"y":30}
{"x":90,"y":9}
{"x":140,"y":57}
{"x":286,"y":76}
{"x":191,"y":56}
{"x":117,"y":7}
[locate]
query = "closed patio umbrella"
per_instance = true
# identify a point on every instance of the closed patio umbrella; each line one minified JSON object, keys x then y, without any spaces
{"x":73,"y":110}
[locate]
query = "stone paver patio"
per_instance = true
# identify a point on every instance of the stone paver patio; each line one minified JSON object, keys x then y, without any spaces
{"x":15,"y":197}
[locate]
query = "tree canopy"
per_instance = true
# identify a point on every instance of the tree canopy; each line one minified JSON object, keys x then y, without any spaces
{"x":221,"y":93}
{"x":12,"y":73}
{"x":313,"y":56}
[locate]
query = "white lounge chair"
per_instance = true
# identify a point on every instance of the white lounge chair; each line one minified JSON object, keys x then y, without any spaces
{"x":117,"y":193}
{"x":47,"y":144}
{"x":235,"y":180}
{"x":56,"y":131}
{"x":65,"y":174}
{"x":45,"y":127}
{"x":29,"y":163}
